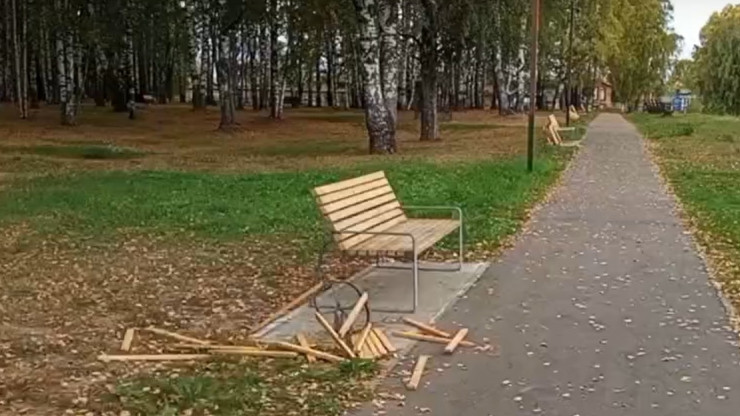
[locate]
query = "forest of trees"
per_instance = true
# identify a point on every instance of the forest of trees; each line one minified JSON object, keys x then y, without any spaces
{"x":381,"y":55}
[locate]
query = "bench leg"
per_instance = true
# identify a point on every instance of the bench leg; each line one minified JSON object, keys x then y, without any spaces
{"x":416,"y":279}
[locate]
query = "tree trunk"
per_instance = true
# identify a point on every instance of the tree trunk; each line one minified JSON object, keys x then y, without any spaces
{"x":196,"y":66}
{"x":276,"y":106}
{"x":378,"y":119}
{"x":19,"y":58}
{"x":429,"y":58}
{"x":318,"y":80}
{"x":390,"y":58}
{"x":225,"y":84}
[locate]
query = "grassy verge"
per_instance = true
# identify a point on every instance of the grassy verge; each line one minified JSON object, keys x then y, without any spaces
{"x":247,"y":388}
{"x":494,"y":194}
{"x":700,"y":156}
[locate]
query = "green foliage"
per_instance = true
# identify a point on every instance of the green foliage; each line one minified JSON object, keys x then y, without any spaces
{"x":718,"y":62}
{"x":494,"y":195}
{"x":639,"y":46}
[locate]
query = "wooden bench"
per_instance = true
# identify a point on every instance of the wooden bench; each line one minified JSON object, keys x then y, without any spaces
{"x":366,"y":219}
{"x":553,"y":130}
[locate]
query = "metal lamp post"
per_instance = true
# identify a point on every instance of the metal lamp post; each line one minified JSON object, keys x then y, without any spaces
{"x":568,"y":88}
{"x":533,"y":82}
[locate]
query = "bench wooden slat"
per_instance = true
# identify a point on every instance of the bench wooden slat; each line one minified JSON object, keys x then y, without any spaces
{"x":356,"y":190}
{"x":356,"y":199}
{"x":340,"y":186}
{"x":384,"y":225}
{"x":357,"y":220}
{"x":427,"y":233}
{"x":361,"y":207}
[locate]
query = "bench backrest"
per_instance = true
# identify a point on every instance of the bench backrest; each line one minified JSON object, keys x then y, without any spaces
{"x":552,"y":127}
{"x":366,"y":203}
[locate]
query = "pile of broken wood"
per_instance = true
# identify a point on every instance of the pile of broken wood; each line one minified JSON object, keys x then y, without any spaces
{"x":371,"y":342}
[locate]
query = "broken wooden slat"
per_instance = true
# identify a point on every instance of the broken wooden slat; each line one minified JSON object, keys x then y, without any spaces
{"x":153,"y":357}
{"x":429,"y":338}
{"x":353,"y":315}
{"x":287,"y":308}
{"x":452,"y":346}
{"x":413,"y":384}
{"x":213,"y":347}
{"x":371,"y":347}
{"x":256,"y":353}
{"x":319,"y":354}
{"x":427,"y":328}
{"x":363,"y":337}
{"x":375,"y":342}
{"x":128,"y":338}
{"x":366,"y":352}
{"x":337,"y":339}
{"x":176,"y":336}
{"x":303,"y":342}
{"x":385,"y":341}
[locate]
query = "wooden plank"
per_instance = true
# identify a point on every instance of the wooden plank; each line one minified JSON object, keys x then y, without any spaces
{"x":452,"y":346}
{"x":385,"y":341}
{"x":421,"y":363}
{"x":350,"y":192}
{"x":362,"y":339}
{"x":153,"y":357}
{"x":427,"y":328}
{"x":212,"y":347}
{"x":348,"y":223}
{"x":361,"y":207}
{"x":337,"y":339}
{"x":176,"y":336}
{"x":353,"y":315}
{"x":128,"y":338}
{"x":375,"y":342}
{"x":430,"y":338}
{"x":349,"y":183}
{"x":256,"y":353}
{"x":303,"y":350}
{"x":354,"y":200}
{"x":303,"y":342}
{"x":377,"y":224}
{"x":366,"y":353}
{"x":371,"y":347}
{"x":289,"y":307}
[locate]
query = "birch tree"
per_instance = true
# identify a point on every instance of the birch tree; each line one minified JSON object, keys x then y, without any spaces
{"x":379,"y":120}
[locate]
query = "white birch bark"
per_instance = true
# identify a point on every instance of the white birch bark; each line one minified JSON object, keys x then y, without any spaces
{"x":378,"y":119}
{"x":391,"y":57}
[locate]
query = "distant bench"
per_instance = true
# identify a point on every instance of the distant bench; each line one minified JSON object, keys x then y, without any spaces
{"x":366,"y":219}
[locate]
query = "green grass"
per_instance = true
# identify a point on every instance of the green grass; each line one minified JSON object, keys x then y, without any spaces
{"x":703,"y":167}
{"x":247,"y":388}
{"x":494,"y":195}
{"x":77,"y":151}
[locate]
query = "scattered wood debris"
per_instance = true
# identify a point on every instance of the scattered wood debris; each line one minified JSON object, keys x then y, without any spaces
{"x":128,"y":338}
{"x":421,"y":363}
{"x":303,"y":342}
{"x":353,"y":315}
{"x":452,"y":346}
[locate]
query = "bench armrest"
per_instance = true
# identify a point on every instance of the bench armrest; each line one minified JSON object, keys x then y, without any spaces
{"x":436,"y":208}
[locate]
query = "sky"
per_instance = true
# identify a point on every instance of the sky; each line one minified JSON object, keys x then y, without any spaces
{"x":690,"y":16}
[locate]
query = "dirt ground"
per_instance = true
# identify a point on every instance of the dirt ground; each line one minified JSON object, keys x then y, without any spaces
{"x":63,"y":301}
{"x":175,"y":137}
